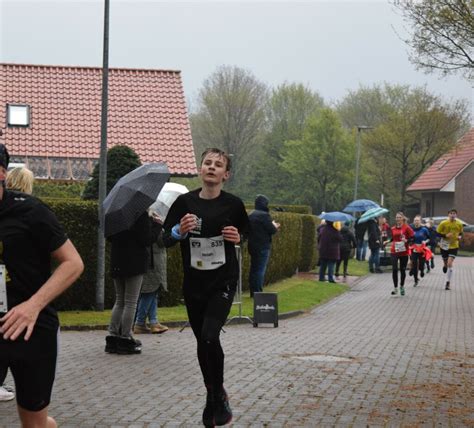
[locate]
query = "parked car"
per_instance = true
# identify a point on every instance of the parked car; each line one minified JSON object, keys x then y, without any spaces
{"x":438,"y":219}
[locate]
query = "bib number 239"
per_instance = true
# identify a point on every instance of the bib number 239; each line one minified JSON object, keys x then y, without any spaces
{"x":207,"y":253}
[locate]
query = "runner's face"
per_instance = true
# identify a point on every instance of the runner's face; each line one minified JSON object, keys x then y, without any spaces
{"x":399,"y":219}
{"x":417,"y":221}
{"x":213,"y":169}
{"x":452,"y":215}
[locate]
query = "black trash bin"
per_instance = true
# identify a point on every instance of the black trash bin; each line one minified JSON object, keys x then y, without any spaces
{"x":265,"y":309}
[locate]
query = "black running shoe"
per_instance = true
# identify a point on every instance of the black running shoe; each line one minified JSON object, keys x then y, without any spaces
{"x":111,"y":344}
{"x":222,"y":410}
{"x":445,"y":269}
{"x":422,"y":273}
{"x":447,"y":286}
{"x":208,"y":413}
{"x":128,"y":346}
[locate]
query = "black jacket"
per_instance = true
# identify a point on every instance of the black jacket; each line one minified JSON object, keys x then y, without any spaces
{"x":374,"y":233}
{"x":360,"y":230}
{"x":348,"y":240}
{"x":261,"y":226}
{"x":129,"y":255}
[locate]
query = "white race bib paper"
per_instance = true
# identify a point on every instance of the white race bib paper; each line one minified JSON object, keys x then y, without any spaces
{"x":207,"y":253}
{"x":444,"y":244}
{"x":400,"y":247}
{"x":3,"y":290}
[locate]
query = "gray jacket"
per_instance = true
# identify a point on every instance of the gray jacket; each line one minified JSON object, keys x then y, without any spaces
{"x":156,"y":276}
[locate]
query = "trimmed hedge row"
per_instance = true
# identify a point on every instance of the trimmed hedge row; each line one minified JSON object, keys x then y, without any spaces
{"x":294,"y":248}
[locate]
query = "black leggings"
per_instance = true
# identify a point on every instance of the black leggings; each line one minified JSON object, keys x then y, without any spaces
{"x":207,"y":315}
{"x":344,"y":258}
{"x":417,"y":264}
{"x":403,"y":267}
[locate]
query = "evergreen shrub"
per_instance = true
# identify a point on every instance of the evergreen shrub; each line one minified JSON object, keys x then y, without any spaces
{"x":309,"y":249}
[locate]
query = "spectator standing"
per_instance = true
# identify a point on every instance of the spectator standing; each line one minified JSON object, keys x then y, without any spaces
{"x":347,"y":244}
{"x":153,"y":280}
{"x":129,"y":262}
{"x":375,"y":243}
{"x":261,"y":230}
{"x":329,"y":250}
{"x":362,"y":239}
{"x":31,"y":237}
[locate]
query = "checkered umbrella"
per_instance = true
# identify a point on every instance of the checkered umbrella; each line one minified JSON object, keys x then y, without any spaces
{"x":132,"y":195}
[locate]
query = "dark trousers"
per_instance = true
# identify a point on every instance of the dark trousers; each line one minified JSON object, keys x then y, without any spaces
{"x":403,"y":261}
{"x":417,"y":264}
{"x":207,"y":315}
{"x":258,"y":266}
{"x":344,"y":258}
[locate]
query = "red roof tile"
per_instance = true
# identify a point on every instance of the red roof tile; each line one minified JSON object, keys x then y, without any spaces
{"x":447,"y":166}
{"x":147,"y":111}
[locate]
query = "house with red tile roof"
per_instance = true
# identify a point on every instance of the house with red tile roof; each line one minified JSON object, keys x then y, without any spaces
{"x":51,"y":118}
{"x":449,"y":182}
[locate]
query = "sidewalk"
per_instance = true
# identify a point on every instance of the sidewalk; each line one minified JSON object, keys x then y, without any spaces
{"x":407,"y":361}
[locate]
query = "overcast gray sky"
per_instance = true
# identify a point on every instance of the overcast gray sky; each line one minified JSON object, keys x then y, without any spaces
{"x":331,"y":46}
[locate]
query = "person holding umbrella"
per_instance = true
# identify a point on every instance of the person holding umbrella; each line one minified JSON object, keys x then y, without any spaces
{"x":208,"y":222}
{"x":130,"y":231}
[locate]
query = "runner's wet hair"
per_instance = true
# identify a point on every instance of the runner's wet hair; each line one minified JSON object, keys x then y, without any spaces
{"x":219,"y":152}
{"x":453,"y":210}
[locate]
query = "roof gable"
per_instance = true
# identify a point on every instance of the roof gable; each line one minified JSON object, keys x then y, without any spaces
{"x":146,"y":111}
{"x":448,"y":166}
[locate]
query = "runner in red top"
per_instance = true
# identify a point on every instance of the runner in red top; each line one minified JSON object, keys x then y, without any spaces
{"x":402,"y":234}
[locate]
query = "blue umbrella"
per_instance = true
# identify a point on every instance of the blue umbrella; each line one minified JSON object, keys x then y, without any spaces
{"x":372,"y":213}
{"x":360,"y":205}
{"x":335,"y":216}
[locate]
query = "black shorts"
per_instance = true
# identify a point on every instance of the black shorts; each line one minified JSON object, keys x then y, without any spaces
{"x":452,"y":252}
{"x":33,"y":366}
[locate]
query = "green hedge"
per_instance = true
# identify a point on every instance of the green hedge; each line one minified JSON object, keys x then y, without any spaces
{"x":298,"y":209}
{"x":293,"y":249}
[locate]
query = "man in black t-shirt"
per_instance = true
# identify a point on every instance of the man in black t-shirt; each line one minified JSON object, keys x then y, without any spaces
{"x":208,"y":223}
{"x":30,"y":236}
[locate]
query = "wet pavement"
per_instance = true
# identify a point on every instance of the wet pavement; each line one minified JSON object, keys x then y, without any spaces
{"x":364,"y":359}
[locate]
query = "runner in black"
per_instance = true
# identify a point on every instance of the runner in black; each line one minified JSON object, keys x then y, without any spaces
{"x":208,"y":222}
{"x":29,"y":236}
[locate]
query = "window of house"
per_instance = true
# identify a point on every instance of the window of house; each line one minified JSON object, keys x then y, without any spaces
{"x":18,"y":115}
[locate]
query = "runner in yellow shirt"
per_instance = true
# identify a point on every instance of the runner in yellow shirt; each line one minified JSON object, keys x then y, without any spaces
{"x":450,"y":231}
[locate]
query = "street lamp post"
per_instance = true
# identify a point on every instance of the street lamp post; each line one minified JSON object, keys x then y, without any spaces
{"x":356,"y":184}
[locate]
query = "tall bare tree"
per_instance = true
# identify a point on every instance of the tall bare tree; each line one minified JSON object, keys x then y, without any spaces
{"x":442,"y":36}
{"x":230,"y":113}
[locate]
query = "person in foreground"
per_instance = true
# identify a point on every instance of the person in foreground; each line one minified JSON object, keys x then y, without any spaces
{"x":30,"y":235}
{"x":208,"y":222}
{"x":450,"y":231}
{"x":401,"y":237}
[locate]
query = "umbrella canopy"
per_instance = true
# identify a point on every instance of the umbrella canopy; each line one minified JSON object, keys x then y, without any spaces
{"x":360,"y":205}
{"x":132,"y":195}
{"x":335,"y":216}
{"x":372,"y":213}
{"x":166,"y":198}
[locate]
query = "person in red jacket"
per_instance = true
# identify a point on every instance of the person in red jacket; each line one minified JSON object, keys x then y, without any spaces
{"x":402,"y":235}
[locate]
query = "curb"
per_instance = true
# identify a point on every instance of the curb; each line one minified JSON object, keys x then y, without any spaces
{"x":178,"y":324}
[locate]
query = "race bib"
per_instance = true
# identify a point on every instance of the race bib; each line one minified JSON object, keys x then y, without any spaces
{"x":400,"y":247}
{"x":207,"y":253}
{"x":444,"y":244}
{"x":3,"y":290}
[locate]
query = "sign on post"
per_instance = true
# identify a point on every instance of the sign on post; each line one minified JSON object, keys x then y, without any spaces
{"x":265,"y":309}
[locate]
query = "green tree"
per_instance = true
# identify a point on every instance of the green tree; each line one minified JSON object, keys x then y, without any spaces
{"x":442,"y":35}
{"x":121,"y":160}
{"x":288,"y":109}
{"x":318,"y":165}
{"x":230,"y":115}
{"x":410,"y":140}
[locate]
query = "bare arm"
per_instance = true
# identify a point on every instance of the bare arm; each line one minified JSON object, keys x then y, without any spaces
{"x":24,"y":315}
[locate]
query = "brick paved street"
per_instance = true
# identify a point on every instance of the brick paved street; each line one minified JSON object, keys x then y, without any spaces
{"x":410,"y":362}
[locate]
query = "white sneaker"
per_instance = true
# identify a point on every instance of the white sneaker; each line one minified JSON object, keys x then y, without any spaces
{"x":6,"y":395}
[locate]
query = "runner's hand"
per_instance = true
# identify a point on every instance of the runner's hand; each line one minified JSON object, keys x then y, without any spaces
{"x":187,"y":223}
{"x":231,"y":234}
{"x":19,"y":318}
